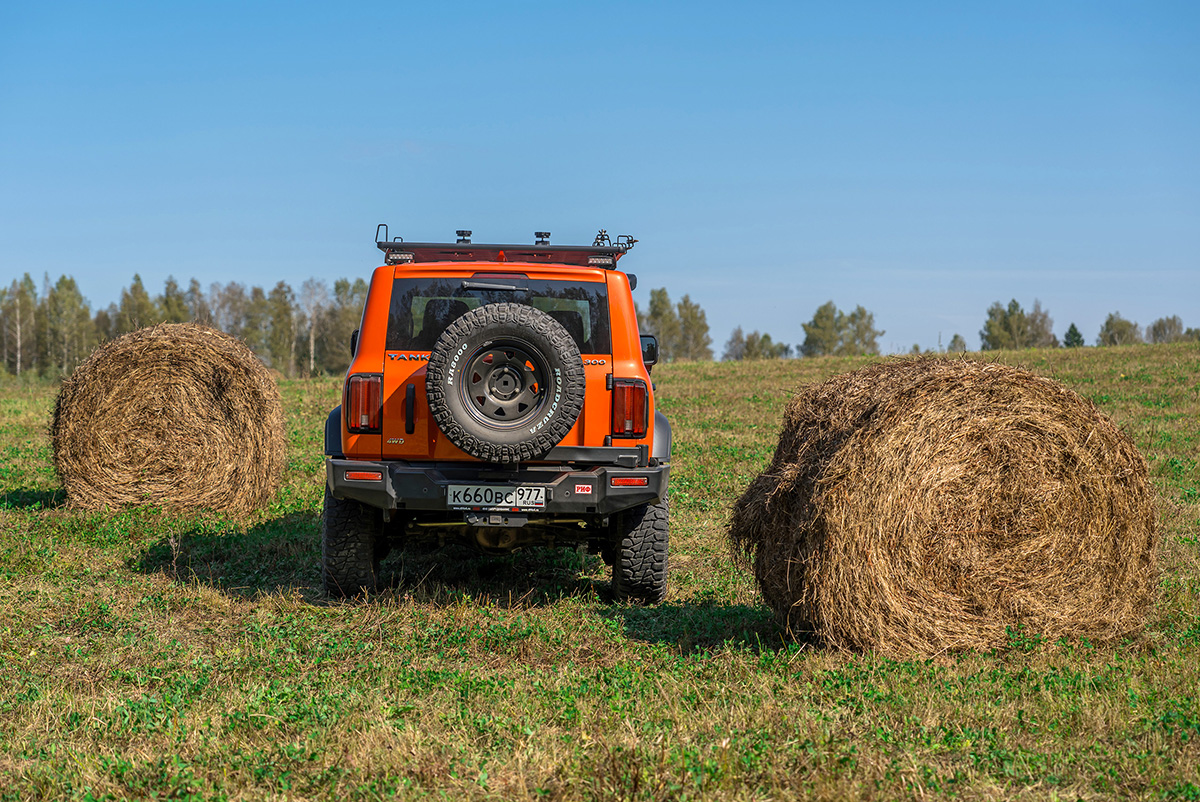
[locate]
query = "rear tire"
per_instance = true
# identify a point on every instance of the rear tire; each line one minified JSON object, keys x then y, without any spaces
{"x":640,"y":541}
{"x":351,"y":547}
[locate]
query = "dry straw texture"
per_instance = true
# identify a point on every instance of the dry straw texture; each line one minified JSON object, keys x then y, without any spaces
{"x":178,"y":415}
{"x":921,"y":506}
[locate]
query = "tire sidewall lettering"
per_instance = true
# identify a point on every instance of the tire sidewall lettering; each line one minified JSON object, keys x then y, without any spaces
{"x":454,"y":364}
{"x":553,"y":403}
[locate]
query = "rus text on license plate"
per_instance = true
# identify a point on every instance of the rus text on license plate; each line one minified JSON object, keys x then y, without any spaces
{"x":496,"y":497}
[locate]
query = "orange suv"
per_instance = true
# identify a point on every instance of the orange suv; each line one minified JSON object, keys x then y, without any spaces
{"x":499,"y":397}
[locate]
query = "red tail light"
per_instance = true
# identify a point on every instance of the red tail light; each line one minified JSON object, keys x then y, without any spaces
{"x":631,"y":408}
{"x":364,"y":395}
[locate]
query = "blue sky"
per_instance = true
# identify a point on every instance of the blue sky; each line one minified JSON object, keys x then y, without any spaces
{"x":923,"y":159}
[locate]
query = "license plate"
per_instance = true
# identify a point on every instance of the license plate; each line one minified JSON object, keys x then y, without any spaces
{"x":495,"y":497}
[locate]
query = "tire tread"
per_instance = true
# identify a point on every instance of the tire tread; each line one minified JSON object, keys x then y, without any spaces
{"x":350,"y":533}
{"x":640,"y":564}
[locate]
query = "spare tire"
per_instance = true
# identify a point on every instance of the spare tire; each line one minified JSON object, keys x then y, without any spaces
{"x":505,"y":382}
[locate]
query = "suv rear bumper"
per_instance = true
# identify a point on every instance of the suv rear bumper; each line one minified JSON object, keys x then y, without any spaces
{"x":423,"y":486}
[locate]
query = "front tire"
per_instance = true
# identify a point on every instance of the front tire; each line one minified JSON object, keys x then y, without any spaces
{"x":640,"y":541}
{"x":351,"y":547}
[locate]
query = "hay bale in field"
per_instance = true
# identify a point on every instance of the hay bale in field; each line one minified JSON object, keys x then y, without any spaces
{"x":920,"y":506}
{"x":177,"y":415}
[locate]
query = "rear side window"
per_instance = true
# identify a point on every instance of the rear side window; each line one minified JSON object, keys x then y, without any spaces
{"x":423,"y":307}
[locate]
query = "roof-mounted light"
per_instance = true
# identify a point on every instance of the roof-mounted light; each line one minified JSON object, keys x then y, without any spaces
{"x":398,"y":258}
{"x":601,"y":261}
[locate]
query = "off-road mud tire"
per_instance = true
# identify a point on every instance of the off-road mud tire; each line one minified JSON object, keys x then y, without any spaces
{"x":352,"y":547}
{"x":640,"y":538}
{"x":477,"y":428}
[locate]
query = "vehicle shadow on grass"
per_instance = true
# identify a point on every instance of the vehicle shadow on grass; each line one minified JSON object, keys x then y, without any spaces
{"x":285,"y":554}
{"x":26,"y":498}
{"x":531,"y":577}
{"x":698,"y":626}
{"x":275,"y":555}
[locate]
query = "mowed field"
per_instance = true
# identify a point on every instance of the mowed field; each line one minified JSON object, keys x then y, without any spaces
{"x":148,"y":655}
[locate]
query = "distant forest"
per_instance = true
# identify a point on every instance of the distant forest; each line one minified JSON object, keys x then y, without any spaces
{"x":49,"y":330}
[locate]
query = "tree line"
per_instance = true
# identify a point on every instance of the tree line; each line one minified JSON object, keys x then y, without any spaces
{"x":682,"y":330}
{"x":683,"y":334}
{"x":1011,"y":327}
{"x":48,"y":331}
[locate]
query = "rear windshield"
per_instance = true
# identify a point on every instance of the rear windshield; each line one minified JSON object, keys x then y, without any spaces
{"x":423,"y":307}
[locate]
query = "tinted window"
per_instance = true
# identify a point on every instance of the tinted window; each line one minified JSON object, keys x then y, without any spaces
{"x":423,"y":307}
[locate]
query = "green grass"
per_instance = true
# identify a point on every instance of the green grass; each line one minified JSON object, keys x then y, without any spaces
{"x":147,"y":655}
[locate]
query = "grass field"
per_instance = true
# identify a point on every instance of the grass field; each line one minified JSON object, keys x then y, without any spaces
{"x":144,"y":655}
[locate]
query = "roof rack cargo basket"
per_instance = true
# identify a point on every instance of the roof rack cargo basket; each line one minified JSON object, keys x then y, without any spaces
{"x":601,"y":253}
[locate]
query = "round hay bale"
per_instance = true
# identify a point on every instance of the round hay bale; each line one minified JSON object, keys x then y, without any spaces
{"x":921,"y":506}
{"x":178,"y":415}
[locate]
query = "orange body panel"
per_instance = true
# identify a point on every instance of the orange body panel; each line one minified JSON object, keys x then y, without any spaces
{"x":401,"y":369}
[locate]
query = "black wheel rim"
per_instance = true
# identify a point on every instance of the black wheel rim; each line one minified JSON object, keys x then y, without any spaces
{"x":504,"y":383}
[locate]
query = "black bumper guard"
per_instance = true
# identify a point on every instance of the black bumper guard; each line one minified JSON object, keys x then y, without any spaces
{"x":571,"y":489}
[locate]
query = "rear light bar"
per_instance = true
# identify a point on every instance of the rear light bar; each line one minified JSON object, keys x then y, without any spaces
{"x":630,"y":409}
{"x":364,"y":404}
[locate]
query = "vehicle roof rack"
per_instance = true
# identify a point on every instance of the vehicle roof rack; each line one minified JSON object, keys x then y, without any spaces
{"x":601,"y":253}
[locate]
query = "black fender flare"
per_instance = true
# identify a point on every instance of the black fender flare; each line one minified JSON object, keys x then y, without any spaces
{"x":662,"y":437}
{"x":333,"y":433}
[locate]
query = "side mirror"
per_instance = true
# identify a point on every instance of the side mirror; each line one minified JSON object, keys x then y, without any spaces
{"x":649,"y":350}
{"x":354,"y":342}
{"x":632,"y":281}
